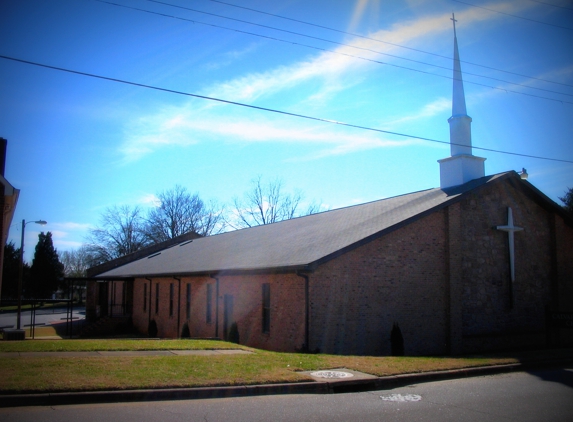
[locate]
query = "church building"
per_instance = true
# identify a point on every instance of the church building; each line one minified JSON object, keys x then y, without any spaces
{"x":482,"y":263}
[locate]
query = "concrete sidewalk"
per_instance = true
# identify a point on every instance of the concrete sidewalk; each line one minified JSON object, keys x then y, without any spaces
{"x":358,"y":382}
{"x":120,"y":353}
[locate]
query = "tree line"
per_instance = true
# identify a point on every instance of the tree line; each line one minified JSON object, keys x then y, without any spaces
{"x":126,"y":229}
{"x":123,"y":229}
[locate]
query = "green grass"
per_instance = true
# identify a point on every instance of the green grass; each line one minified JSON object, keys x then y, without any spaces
{"x":58,"y":374}
{"x":21,"y":375}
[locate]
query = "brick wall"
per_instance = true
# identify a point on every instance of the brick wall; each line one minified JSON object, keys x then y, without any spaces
{"x":401,"y":277}
{"x":164,"y":315}
{"x":140,"y":313}
{"x":564,"y":273}
{"x":454,"y":279}
{"x":286,"y":317}
{"x":287,"y":305}
{"x":564,"y":277}
{"x":197,"y":322}
{"x":497,"y":315}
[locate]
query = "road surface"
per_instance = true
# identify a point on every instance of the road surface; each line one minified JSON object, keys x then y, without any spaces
{"x":545,"y":395}
{"x":45,"y":316}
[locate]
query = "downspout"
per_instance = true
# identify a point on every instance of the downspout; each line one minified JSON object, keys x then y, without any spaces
{"x":178,"y":307}
{"x":306,"y":346}
{"x":216,"y":305}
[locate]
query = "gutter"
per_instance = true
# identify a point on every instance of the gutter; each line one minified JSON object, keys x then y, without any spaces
{"x":207,"y":273}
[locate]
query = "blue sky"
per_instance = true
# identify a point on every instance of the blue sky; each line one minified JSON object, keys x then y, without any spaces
{"x":77,"y":144}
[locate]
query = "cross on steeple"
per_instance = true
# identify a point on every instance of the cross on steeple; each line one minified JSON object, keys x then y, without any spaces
{"x":454,"y":20}
{"x":510,"y":229}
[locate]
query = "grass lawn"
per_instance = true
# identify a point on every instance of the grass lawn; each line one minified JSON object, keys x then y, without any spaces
{"x":43,"y":374}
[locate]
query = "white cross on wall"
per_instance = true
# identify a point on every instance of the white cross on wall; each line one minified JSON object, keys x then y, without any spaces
{"x":510,"y":228}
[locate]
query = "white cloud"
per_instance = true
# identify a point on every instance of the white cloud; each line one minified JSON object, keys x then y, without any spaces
{"x":68,"y":235}
{"x":70,"y":226}
{"x":328,"y":73}
{"x":150,"y":199}
{"x":429,"y":110}
{"x":232,"y":56}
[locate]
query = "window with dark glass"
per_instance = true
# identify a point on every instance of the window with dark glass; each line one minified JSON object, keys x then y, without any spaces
{"x":188,"y":302}
{"x":157,"y":298}
{"x":144,"y":297}
{"x":266,"y":307}
{"x":171,"y":299}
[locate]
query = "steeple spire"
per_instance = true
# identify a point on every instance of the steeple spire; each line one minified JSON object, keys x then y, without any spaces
{"x":460,"y":122}
{"x":462,"y":166}
{"x":459,"y":98}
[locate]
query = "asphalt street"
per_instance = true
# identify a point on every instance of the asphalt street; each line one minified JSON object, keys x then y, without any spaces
{"x":544,"y":395}
{"x":43,"y":317}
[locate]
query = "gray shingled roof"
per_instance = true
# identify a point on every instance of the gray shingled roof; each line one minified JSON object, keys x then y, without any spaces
{"x":299,"y":243}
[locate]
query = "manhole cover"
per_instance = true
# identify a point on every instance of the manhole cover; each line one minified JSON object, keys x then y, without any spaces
{"x":401,"y":398}
{"x":331,"y":374}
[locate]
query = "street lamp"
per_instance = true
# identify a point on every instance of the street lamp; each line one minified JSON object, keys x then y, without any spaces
{"x":21,"y":269}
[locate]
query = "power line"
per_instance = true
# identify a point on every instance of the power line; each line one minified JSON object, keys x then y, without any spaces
{"x":336,"y":52}
{"x":270,"y":110}
{"x":551,"y":4}
{"x":513,"y":16}
{"x":349,"y":45}
{"x":381,"y":41}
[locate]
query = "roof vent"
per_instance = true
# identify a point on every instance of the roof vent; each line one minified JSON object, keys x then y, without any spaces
{"x":154,"y":255}
{"x":184,"y":243}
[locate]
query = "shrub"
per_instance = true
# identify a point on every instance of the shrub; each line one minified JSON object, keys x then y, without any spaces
{"x":152,"y":329}
{"x":185,"y":333}
{"x":396,"y":340}
{"x":233,"y":336}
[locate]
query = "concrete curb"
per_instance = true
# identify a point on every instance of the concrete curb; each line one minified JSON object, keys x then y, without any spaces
{"x":325,"y":387}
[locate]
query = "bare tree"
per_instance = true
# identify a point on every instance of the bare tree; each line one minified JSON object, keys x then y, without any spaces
{"x":267,"y":204}
{"x":120,"y":233}
{"x":76,"y":261}
{"x":180,"y":212}
{"x":567,"y":200}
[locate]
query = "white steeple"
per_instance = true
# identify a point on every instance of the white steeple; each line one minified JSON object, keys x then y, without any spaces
{"x":462,"y":166}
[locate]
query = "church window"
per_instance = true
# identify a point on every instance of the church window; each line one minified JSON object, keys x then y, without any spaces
{"x":188,"y":302}
{"x":171,"y":299}
{"x":157,"y":298}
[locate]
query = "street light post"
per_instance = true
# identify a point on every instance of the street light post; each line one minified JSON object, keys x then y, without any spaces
{"x":21,"y":269}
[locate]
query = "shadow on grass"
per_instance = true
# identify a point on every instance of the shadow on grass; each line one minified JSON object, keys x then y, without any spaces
{"x":63,"y":330}
{"x":68,"y":330}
